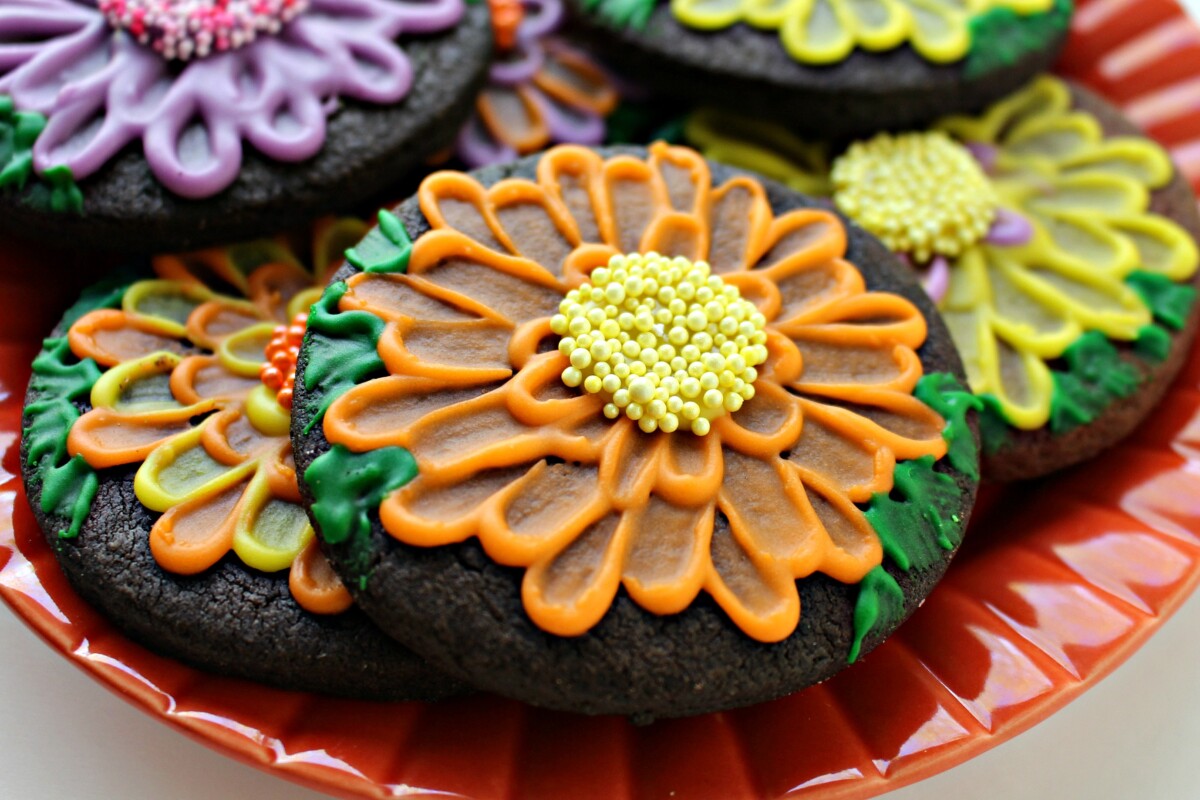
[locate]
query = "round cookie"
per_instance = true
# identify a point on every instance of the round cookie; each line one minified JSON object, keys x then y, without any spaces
{"x":849,"y":70}
{"x":1072,"y":293}
{"x":535,"y":539}
{"x":339,"y":102}
{"x":158,"y":466}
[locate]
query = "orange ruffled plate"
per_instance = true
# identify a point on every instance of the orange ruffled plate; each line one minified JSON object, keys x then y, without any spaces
{"x":1041,"y":604}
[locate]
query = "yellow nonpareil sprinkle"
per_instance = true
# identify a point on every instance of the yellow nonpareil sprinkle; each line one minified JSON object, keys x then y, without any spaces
{"x":921,"y":193}
{"x":671,"y":345}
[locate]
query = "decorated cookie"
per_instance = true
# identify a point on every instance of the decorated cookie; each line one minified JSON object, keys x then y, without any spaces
{"x":623,"y":432}
{"x":541,"y":90}
{"x":156,"y":459}
{"x":831,"y":68}
{"x":205,"y":121}
{"x":1058,"y":242}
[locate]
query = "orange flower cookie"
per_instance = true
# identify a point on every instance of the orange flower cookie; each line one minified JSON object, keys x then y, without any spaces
{"x":631,"y":433}
{"x":158,"y":462}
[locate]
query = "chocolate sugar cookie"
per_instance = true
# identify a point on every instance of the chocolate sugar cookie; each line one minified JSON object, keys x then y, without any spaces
{"x":831,"y":68}
{"x":1058,"y":241}
{"x":200,"y":123}
{"x":157,"y":462}
{"x":621,"y":431}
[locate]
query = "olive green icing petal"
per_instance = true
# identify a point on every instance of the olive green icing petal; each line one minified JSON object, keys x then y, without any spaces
{"x":386,"y":248}
{"x":68,"y":492}
{"x":1000,"y":37}
{"x":1170,"y":302}
{"x":994,"y":428}
{"x":346,"y":487}
{"x":106,"y":293}
{"x":341,"y":350}
{"x":1153,"y":343}
{"x":943,"y":393}
{"x":624,"y":13}
{"x":1096,"y":376}
{"x":919,"y":517}
{"x":880,"y":606}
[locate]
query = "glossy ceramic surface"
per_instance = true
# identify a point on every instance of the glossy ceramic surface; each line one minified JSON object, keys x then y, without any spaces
{"x":1060,"y":580}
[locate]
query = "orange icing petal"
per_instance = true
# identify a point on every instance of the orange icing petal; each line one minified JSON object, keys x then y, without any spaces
{"x":808,"y":289}
{"x":541,"y":513}
{"x":111,"y":336}
{"x":514,"y":288}
{"x":912,"y":428}
{"x":784,"y":363}
{"x":192,"y":536}
{"x":315,"y":585}
{"x":758,"y":288}
{"x":210,"y":323}
{"x":407,"y":298}
{"x":629,"y":464}
{"x":377,"y":413}
{"x":832,"y":447}
{"x":574,"y":80}
{"x":855,"y":547}
{"x":458,"y":202}
{"x":280,"y":472}
{"x":537,"y":396}
{"x":634,"y":198}
{"x":475,"y":351}
{"x":757,"y":594}
{"x":435,"y":514}
{"x":571,"y":176}
{"x":568,"y":593}
{"x":272,"y":287}
{"x":768,"y":423}
{"x":668,"y":556}
{"x":874,"y":318}
{"x":513,"y":117}
{"x":583,"y":260}
{"x":801,"y":239}
{"x":107,"y":438}
{"x":690,"y":469}
{"x":837,"y":368}
{"x":210,"y":267}
{"x":686,"y":178}
{"x":527,"y":340}
{"x":676,"y":234}
{"x":739,"y":220}
{"x":231,"y":439}
{"x":199,"y":379}
{"x":540,"y":229}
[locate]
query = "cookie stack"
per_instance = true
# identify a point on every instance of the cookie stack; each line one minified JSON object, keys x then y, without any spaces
{"x":645,"y":428}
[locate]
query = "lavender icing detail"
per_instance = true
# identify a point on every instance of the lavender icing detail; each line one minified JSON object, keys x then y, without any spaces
{"x":936,"y":280}
{"x":101,"y":91}
{"x":1009,"y":229}
{"x":478,"y":145}
{"x":985,"y":154}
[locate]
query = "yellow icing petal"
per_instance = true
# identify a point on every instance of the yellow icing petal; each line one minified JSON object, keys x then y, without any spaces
{"x":879,"y":24}
{"x":1023,"y":318}
{"x":1162,"y":245}
{"x":167,"y":303}
{"x":1092,"y":193}
{"x":138,"y":385}
{"x":765,"y":148}
{"x":968,"y":288}
{"x":1045,"y":96}
{"x":330,"y":241}
{"x":265,"y":413}
{"x":1077,"y":240}
{"x":1096,"y":301}
{"x":1021,"y":382}
{"x":1137,"y":159}
{"x":939,"y":33}
{"x":181,"y":470}
{"x":270,"y":532}
{"x":1054,"y":137}
{"x":302,"y":302}
{"x":247,"y":257}
{"x":707,"y":15}
{"x":242,"y":353}
{"x":818,"y":31}
{"x":768,"y":14}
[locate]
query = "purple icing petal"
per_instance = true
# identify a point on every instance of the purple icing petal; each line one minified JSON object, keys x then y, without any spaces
{"x":542,"y":17}
{"x":574,"y":125}
{"x":1009,"y":229}
{"x":936,"y":279}
{"x":100,"y":90}
{"x":517,"y":67}
{"x":985,"y":154}
{"x":477,"y":148}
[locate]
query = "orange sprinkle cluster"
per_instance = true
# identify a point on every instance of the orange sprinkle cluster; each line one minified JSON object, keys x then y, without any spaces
{"x":506,"y":18}
{"x":279,"y":370}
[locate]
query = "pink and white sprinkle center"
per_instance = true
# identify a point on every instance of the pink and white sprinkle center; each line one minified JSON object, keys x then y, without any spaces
{"x":185,"y":29}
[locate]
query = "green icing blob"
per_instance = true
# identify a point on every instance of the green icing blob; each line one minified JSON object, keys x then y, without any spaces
{"x":1153,"y":343}
{"x":341,"y":350}
{"x":386,"y":248}
{"x":347,"y":486}
{"x":623,"y":13}
{"x":1096,"y":376}
{"x":55,"y":190}
{"x":943,"y":393}
{"x":1170,"y":302}
{"x":994,"y":428}
{"x":880,"y":604}
{"x":1000,"y":37}
{"x":918,"y":517}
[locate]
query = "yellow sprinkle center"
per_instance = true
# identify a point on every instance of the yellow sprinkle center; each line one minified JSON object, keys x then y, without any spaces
{"x":921,"y":193}
{"x":667,"y":342}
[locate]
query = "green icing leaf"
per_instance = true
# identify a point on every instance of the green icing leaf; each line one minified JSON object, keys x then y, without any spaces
{"x":1153,"y":343}
{"x":1096,"y":376}
{"x":1170,"y":302}
{"x":919,"y":516}
{"x":880,"y":605}
{"x":943,"y":393}
{"x":994,"y":428}
{"x":1000,"y":37}
{"x":55,"y":190}
{"x":623,"y":13}
{"x":341,"y":350}
{"x":386,"y":248}
{"x":346,"y":487}
{"x":68,"y":491}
